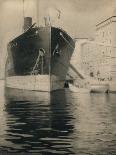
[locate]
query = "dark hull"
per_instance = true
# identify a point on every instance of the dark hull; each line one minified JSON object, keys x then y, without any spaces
{"x":40,"y":51}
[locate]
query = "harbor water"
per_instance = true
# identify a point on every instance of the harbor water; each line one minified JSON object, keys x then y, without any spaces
{"x":64,"y":124}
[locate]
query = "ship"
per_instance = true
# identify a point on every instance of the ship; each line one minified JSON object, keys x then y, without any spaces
{"x":39,"y":58}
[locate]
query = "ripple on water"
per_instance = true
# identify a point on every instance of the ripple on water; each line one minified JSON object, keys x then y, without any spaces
{"x":80,"y":124}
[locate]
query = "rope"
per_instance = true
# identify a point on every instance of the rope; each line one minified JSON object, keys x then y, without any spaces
{"x":66,"y":41}
{"x":41,"y":54}
{"x":38,"y":58}
{"x":55,"y":49}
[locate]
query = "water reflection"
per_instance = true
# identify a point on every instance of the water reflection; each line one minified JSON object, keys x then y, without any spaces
{"x":93,"y":131}
{"x":37,"y":125}
{"x":28,"y":118}
{"x":3,"y":121}
{"x":26,"y":95}
{"x":65,"y":123}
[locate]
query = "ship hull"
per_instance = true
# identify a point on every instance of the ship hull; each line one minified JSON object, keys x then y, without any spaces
{"x":36,"y":83}
{"x":39,"y":59}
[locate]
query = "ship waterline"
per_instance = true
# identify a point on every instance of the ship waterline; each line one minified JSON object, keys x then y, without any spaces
{"x":35,"y":82}
{"x":39,"y":59}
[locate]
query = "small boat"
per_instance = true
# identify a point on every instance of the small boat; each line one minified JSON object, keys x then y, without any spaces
{"x":76,"y":89}
{"x":99,"y":88}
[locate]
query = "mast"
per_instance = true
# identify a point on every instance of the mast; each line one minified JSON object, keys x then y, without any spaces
{"x":50,"y":76}
{"x":37,"y":2}
{"x":23,"y":15}
{"x":23,"y":9}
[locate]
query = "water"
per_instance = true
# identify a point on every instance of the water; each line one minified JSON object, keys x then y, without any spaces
{"x":72,"y":123}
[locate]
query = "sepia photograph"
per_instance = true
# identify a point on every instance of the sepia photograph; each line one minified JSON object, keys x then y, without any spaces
{"x":57,"y":77}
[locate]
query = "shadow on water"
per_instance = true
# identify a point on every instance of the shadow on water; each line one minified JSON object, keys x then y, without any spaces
{"x":37,"y":122}
{"x":61,"y":123}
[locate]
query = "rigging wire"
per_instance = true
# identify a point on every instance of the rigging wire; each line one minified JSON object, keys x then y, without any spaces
{"x":23,"y":9}
{"x":23,"y":15}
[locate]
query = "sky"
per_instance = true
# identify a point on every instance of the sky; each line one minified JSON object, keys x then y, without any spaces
{"x":77,"y":17}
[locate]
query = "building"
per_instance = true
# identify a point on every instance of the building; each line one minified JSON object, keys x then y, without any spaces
{"x":99,"y":56}
{"x":96,"y":60}
{"x":106,"y":35}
